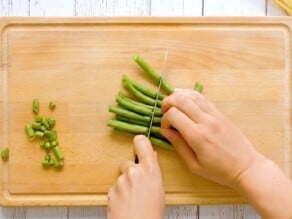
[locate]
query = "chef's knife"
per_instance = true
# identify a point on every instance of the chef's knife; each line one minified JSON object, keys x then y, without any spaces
{"x":156,"y":99}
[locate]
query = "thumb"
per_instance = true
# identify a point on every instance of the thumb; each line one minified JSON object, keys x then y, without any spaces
{"x":143,"y":149}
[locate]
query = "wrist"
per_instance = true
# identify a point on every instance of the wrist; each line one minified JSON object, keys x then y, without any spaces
{"x":258,"y":166}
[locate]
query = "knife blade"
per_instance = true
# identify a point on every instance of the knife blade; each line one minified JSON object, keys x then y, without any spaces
{"x":156,"y":98}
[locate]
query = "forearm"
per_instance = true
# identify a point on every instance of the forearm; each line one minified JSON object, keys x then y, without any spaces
{"x":266,"y":187}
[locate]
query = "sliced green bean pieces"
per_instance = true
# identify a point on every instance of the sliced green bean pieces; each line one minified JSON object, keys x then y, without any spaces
{"x":47,"y":145}
{"x":59,"y":164}
{"x":39,"y":134}
{"x":198,"y":87}
{"x":51,"y":122}
{"x":54,"y":143}
{"x":45,"y":163}
{"x":36,"y":125}
{"x":5,"y":153}
{"x":38,"y":119}
{"x":58,"y":153}
{"x":43,"y":128}
{"x":29,"y":131}
{"x":52,"y":105}
{"x":46,"y":123}
{"x":35,"y":106}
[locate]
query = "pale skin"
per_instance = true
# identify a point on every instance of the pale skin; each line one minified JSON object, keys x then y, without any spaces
{"x":212,"y":147}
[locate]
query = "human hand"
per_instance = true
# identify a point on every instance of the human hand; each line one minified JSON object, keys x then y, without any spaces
{"x":138,"y":192}
{"x":210,"y":144}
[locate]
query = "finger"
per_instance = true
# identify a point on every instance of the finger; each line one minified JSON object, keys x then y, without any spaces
{"x":183,"y":149}
{"x":124,"y":166}
{"x":189,"y":130}
{"x":143,"y":149}
{"x":185,"y":103}
{"x":199,"y":99}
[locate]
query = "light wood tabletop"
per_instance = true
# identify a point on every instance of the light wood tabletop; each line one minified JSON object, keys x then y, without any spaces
{"x":55,"y":8}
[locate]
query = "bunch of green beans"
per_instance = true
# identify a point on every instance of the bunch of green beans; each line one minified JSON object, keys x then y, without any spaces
{"x":133,"y":115}
{"x":42,"y":129}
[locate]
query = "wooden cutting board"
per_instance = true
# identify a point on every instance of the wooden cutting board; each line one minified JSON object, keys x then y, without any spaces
{"x":243,"y":63}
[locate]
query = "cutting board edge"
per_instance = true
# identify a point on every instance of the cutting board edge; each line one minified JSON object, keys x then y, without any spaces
{"x":101,"y":200}
{"x":5,"y":21}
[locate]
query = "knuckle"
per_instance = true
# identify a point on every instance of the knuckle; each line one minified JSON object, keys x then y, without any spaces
{"x":172,"y":110}
{"x":202,"y":136}
{"x":214,"y":124}
{"x":132,"y":172}
{"x":151,"y":167}
{"x":181,"y":99}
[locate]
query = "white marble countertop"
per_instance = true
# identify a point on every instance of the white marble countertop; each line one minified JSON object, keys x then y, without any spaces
{"x":137,"y":8}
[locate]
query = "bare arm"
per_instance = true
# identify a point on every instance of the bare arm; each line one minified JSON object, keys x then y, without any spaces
{"x":214,"y":148}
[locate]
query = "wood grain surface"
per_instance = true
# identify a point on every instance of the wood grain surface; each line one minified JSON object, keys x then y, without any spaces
{"x":81,"y":70}
{"x":98,"y":8}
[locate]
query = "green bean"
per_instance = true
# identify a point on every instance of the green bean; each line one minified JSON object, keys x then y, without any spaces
{"x":47,"y":145}
{"x":54,"y":143}
{"x":39,"y":134}
{"x":43,"y":128}
{"x":47,"y":157}
{"x":45,"y":163}
{"x":124,"y":126}
{"x":161,"y":143}
{"x":5,"y":153}
{"x":155,"y":130}
{"x":52,"y":105}
{"x":51,"y":162}
{"x":157,"y":109}
{"x":132,"y":128}
{"x":35,"y":106}
{"x":36,"y":125}
{"x":140,"y":95}
{"x":59,"y":164}
{"x":53,"y":135}
{"x":51,"y":122}
{"x":148,"y":92}
{"x":58,"y":153}
{"x":126,"y":113}
{"x":29,"y":131}
{"x":46,"y":123}
{"x":198,"y":87}
{"x":133,"y":107}
{"x":38,"y":119}
{"x":42,"y":144}
{"x":132,"y":121}
{"x":156,"y":77}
